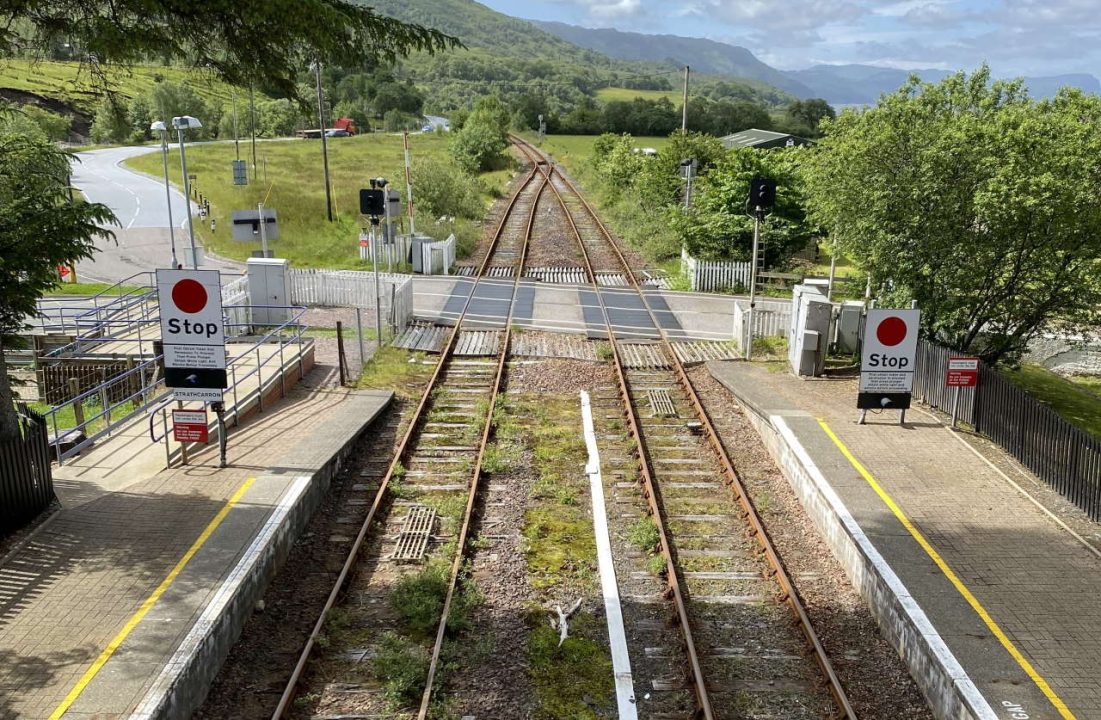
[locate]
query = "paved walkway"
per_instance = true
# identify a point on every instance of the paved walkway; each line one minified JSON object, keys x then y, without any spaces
{"x":135,"y":557}
{"x":1039,"y":584}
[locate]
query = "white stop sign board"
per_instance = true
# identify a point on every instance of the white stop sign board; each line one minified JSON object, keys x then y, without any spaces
{"x":890,"y":351}
{"x":191,"y":307}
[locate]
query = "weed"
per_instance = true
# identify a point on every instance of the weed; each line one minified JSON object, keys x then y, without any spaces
{"x":643,"y":534}
{"x":604,"y":351}
{"x":656,"y":565}
{"x":306,"y":699}
{"x":402,"y":665}
{"x":418,"y":599}
{"x":499,"y":457}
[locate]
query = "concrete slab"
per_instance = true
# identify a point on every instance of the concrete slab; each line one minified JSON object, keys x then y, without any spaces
{"x":986,"y":546}
{"x":166,"y":569}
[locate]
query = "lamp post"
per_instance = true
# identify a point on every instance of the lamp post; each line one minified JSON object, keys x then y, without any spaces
{"x":186,"y":122}
{"x":163,"y":129}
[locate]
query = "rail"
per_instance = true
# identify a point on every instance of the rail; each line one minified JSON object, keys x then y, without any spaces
{"x":779,"y":571}
{"x":400,"y":456}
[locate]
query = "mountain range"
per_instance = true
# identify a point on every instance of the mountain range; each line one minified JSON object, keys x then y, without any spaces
{"x":838,"y":84}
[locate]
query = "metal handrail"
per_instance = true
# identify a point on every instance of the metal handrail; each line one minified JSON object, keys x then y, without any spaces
{"x":299,"y":330}
{"x":151,"y":406}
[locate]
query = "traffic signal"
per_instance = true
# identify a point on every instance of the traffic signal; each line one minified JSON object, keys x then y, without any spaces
{"x":371,"y":202}
{"x":762,"y":193}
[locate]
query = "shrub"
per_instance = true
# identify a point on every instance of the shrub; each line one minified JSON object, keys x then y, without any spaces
{"x":402,"y":666}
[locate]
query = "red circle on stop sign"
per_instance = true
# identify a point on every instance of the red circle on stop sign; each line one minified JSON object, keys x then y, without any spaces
{"x":891,"y":331}
{"x":189,"y":296}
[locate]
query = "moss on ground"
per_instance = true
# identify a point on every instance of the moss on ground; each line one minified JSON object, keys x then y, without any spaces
{"x":574,"y":681}
{"x":396,"y":369}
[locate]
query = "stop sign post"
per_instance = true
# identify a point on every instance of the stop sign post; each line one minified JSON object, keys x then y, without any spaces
{"x":887,"y":361}
{"x":193,"y":333}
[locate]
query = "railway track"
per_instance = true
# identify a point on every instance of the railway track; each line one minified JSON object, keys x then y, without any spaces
{"x":731,"y":673}
{"x":721,"y":575}
{"x":423,"y":505}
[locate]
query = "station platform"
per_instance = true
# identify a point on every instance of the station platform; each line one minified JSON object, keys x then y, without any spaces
{"x":125,"y":602}
{"x":985,"y":581}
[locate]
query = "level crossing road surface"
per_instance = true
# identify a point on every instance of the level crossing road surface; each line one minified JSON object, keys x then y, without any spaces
{"x":138,"y":201}
{"x":573,"y":308}
{"x":1008,"y":589}
{"x":120,"y":601}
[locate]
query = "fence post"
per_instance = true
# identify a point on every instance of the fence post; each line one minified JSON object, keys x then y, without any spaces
{"x":259,"y":382}
{"x":78,"y":405}
{"x":340,"y":349}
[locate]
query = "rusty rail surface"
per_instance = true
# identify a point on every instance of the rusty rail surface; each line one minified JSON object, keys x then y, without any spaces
{"x":290,"y":690}
{"x":779,"y":571}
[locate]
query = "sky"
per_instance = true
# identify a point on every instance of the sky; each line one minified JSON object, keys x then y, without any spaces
{"x":1016,"y":37}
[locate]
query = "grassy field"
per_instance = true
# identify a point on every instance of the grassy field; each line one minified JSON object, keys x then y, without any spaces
{"x":1077,"y":402}
{"x":291,"y":181}
{"x":572,"y":150}
{"x":74,"y":85}
{"x":614,"y":93}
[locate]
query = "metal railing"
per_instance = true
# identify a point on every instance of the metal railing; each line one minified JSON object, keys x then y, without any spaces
{"x":61,"y":314}
{"x":287,"y":334}
{"x":139,"y":390}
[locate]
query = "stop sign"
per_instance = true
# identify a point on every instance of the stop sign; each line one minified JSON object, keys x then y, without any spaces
{"x":191,"y":307}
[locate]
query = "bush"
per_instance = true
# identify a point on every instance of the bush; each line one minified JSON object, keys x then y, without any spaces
{"x":52,"y":125}
{"x":443,"y":188}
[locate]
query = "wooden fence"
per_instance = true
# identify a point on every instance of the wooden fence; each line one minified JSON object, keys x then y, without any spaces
{"x":26,"y":483}
{"x":1062,"y":455}
{"x":709,"y":275}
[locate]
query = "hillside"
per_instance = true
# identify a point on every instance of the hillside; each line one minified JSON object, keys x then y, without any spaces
{"x":839,"y":84}
{"x":512,"y":56}
{"x":67,"y":88}
{"x":704,"y":56}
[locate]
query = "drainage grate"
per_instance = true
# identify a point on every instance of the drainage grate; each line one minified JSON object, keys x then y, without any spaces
{"x":415,"y":530}
{"x":661,"y":405}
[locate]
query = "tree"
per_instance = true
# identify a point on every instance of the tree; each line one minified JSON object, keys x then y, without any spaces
{"x":40,"y":228}
{"x":973,"y":200}
{"x":717,"y":226}
{"x":264,"y":43}
{"x":805,"y":116}
{"x":484,"y":136}
{"x":169,"y":99}
{"x":442,"y":188}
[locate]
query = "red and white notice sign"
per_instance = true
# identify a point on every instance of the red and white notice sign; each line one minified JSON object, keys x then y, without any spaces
{"x":189,"y":426}
{"x":962,"y":372}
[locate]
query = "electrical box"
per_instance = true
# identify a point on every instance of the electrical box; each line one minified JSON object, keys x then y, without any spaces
{"x":847,"y":339}
{"x":808,"y":336}
{"x":269,"y":287}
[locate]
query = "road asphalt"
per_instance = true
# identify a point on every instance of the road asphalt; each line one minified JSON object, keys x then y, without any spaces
{"x":142,"y":237}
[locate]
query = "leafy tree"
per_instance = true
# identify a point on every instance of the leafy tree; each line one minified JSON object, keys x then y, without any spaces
{"x":52,"y":125}
{"x":40,"y":228}
{"x":481,"y":142}
{"x":277,"y":118}
{"x":266,"y":43}
{"x":396,"y":120}
{"x":717,"y":226}
{"x":168,"y":100}
{"x":110,"y":121}
{"x":973,"y":200}
{"x":804,"y":116}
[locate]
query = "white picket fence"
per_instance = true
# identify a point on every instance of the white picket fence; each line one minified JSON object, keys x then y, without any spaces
{"x":390,"y":254}
{"x":353,"y":288}
{"x":438,"y":257}
{"x":770,"y":318}
{"x":235,"y":300}
{"x":711,"y":275}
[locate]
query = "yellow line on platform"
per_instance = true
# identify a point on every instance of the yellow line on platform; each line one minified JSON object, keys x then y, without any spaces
{"x":150,"y":601}
{"x":952,"y":577}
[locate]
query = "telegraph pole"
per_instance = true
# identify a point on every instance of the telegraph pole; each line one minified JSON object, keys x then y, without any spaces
{"x":684,"y":106}
{"x":252,"y":124}
{"x":324,"y":143}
